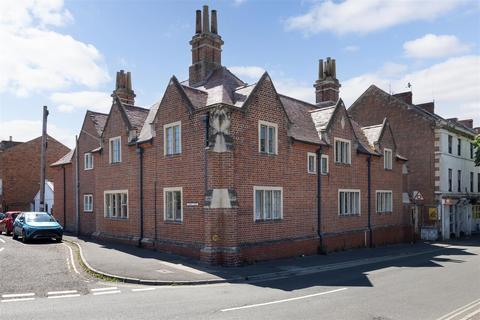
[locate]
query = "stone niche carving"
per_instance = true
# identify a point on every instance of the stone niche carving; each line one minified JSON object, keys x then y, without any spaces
{"x":219,"y":137}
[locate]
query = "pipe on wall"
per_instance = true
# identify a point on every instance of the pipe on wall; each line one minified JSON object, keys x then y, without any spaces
{"x":369,"y":200}
{"x":319,"y":199}
{"x":140,"y":189}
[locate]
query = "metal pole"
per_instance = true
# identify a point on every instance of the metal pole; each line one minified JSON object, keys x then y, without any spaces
{"x":42,"y":159}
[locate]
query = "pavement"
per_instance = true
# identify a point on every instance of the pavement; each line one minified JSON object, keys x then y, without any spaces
{"x":145,"y":266}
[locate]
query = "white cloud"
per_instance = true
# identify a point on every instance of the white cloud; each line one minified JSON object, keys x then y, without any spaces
{"x":250,"y":72}
{"x":453,"y":84}
{"x":92,"y":100}
{"x":295,"y":89}
{"x":353,"y":16}
{"x":25,"y":130}
{"x":351,"y":48}
{"x":433,"y":46}
{"x":237,"y":3}
{"x":34,"y":58}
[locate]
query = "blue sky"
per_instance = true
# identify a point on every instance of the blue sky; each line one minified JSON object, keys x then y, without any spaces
{"x":65,"y":54}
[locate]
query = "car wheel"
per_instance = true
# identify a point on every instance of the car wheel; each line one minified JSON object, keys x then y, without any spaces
{"x":9,"y":233}
{"x":15,"y":237}
{"x":24,"y":237}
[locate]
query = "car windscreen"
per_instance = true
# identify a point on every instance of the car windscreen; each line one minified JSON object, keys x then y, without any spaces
{"x":40,"y":217}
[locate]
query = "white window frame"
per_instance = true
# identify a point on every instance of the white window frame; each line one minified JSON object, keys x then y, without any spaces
{"x":314,"y":155}
{"x":106,"y":214}
{"x":349,"y":153}
{"x":268,"y":125}
{"x":165,"y":142}
{"x":384,"y":209}
{"x":87,"y":208}
{"x":110,"y":149}
{"x":86,"y":164}
{"x":387,"y":160}
{"x":359,"y":202}
{"x":266,"y":188}
{"x":172,"y":189}
{"x":324,"y":157}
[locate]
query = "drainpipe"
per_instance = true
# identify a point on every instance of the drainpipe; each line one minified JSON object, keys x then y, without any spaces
{"x":140,"y":188}
{"x":369,"y":200}
{"x":319,"y":199}
{"x":64,"y":198}
{"x":206,"y":120}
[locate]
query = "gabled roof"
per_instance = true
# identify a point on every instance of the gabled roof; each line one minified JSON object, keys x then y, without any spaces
{"x":373,"y":133}
{"x":302,"y":127}
{"x":221,"y":86}
{"x":321,"y":117}
{"x":362,"y":138}
{"x":147,"y":131}
{"x":66,"y":159}
{"x":416,"y":108}
{"x":136,"y":116}
{"x":98,"y":119}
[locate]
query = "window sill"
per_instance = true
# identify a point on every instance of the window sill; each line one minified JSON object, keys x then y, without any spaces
{"x":87,"y":169}
{"x":312,"y":173}
{"x":173,"y":155}
{"x":117,"y":218}
{"x":324,"y":173}
{"x":386,"y":213}
{"x":87,"y":211}
{"x":343,"y":164}
{"x":173,"y":221}
{"x":349,"y":215}
{"x":267,"y":154}
{"x":115,"y":163}
{"x":269,"y":221}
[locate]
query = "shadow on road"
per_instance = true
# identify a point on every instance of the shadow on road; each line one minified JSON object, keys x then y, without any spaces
{"x":347,"y":268}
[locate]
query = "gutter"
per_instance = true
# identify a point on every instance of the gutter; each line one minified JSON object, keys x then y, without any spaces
{"x":206,"y":119}
{"x":319,"y":200}
{"x":140,"y":188}
{"x":369,"y":201}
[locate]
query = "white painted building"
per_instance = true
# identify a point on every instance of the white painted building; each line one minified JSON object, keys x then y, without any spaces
{"x":48,"y":198}
{"x":457,"y":181}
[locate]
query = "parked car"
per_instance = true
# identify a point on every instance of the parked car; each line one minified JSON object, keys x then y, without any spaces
{"x":7,"y":221}
{"x":37,"y":225}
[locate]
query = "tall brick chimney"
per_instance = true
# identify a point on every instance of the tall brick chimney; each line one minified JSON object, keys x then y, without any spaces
{"x":327,"y":86}
{"x":206,"y":47}
{"x":123,"y":88}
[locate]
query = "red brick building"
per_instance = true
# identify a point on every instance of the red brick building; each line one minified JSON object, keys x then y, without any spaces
{"x":440,"y":159}
{"x":228,"y":172}
{"x":20,"y":171}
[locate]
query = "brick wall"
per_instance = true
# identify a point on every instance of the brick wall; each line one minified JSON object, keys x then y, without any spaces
{"x":20,"y":171}
{"x":414,"y":134}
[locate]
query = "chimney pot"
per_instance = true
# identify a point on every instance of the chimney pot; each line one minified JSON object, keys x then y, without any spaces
{"x":10,"y":138}
{"x":214,"y":22}
{"x":206,"y":20}
{"x":198,"y":22}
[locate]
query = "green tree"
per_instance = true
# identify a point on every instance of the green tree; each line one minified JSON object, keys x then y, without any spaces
{"x":477,"y":151}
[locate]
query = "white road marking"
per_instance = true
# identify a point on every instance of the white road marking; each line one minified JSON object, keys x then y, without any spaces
{"x":61,"y":292}
{"x":103,"y":289}
{"x":64,"y":296}
{"x":142,"y":289}
{"x":1,"y":249}
{"x":106,"y":292}
{"x":2,"y":241}
{"x":470,"y":315}
{"x":71,"y":258}
{"x":283,"y":300}
{"x":181,"y":267}
{"x":462,"y":309}
{"x":17,"y":295}
{"x":17,"y":300}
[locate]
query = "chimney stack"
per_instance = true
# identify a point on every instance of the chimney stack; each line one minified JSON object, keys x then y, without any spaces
{"x":10,"y":138}
{"x":123,"y":88}
{"x":206,"y":47}
{"x":467,"y":123}
{"x":327,"y":86}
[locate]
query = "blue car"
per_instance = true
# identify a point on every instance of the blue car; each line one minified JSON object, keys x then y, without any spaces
{"x":37,"y":225}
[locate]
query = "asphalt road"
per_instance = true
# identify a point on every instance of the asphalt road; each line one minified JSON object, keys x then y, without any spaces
{"x":443,"y":285}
